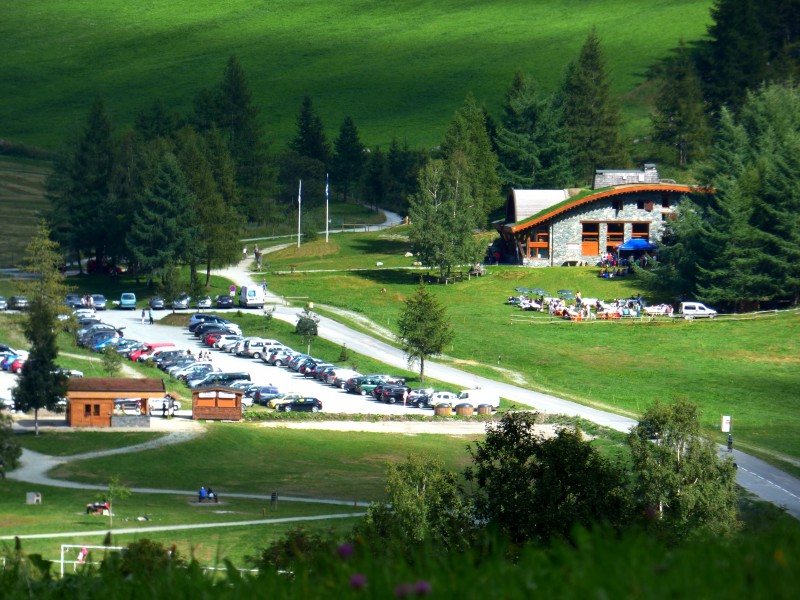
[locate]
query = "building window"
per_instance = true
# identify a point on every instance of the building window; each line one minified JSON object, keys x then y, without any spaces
{"x":664,"y":216}
{"x":665,"y":201}
{"x":542,"y":253}
{"x":616,"y":205}
{"x":87,"y":410}
{"x":96,"y":410}
{"x":640,"y":204}
{"x":590,"y":239}
{"x":641,"y":230}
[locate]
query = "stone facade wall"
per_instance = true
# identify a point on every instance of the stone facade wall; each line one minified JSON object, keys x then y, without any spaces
{"x":609,"y":178}
{"x":565,"y":243}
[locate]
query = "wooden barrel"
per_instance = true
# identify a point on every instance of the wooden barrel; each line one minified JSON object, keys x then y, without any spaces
{"x":443,"y":410}
{"x":484,"y":409}
{"x":464,"y":410}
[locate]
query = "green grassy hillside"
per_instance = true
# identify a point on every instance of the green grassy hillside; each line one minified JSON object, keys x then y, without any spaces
{"x":398,"y":67}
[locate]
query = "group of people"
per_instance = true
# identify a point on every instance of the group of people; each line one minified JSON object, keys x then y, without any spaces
{"x":204,"y":355}
{"x":147,"y":314}
{"x":208,"y":494}
{"x":98,"y":508}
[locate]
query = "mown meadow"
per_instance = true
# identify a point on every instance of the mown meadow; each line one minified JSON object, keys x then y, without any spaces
{"x":399,"y":69}
{"x":745,"y":366}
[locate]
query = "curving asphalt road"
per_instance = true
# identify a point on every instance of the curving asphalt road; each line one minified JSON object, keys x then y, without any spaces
{"x":758,"y":477}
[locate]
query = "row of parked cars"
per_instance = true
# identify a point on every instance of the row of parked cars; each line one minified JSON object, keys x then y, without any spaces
{"x":14,"y":303}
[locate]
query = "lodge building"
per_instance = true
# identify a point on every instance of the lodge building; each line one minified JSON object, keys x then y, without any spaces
{"x":569,"y":227}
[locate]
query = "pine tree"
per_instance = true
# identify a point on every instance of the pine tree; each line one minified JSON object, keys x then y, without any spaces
{"x":423,"y":328}
{"x":157,"y":121}
{"x":162,"y":232}
{"x":375,"y":182}
{"x":737,"y":52}
{"x":40,"y":386}
{"x":310,"y":140}
{"x":591,"y":114}
{"x":79,"y":188}
{"x":403,"y":165}
{"x":530,"y":146}
{"x":348,"y":158}
{"x":679,"y":120}
{"x":468,"y":150}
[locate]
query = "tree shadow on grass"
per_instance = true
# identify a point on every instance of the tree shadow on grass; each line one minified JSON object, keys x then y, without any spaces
{"x":382,"y":246}
{"x":394,"y":276}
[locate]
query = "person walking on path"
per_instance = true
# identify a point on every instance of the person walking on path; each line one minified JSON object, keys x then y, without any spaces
{"x":244,"y":253}
{"x":151,"y":317}
{"x":730,"y":442}
{"x":144,"y":314}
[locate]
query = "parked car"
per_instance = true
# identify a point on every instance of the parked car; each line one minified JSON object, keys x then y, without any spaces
{"x":391,"y":394}
{"x":99,"y":302}
{"x":181,"y":302}
{"x":301,"y":405}
{"x":224,"y":301}
{"x":16,"y":366}
{"x":157,"y":303}
{"x":18,"y":303}
{"x":226,"y":338}
{"x":3,"y":303}
{"x":68,"y":372}
{"x":696,"y":310}
{"x":73,"y":301}
{"x":441,"y":398}
{"x":156,"y":405}
{"x":7,"y":404}
{"x":204,"y":302}
{"x":420,"y":397}
{"x":264,"y":393}
{"x":127,"y":301}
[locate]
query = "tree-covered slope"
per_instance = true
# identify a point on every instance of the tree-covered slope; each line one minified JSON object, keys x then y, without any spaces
{"x":399,"y":67}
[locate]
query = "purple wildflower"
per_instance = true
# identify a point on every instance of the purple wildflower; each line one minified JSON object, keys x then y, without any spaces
{"x":422,"y":588}
{"x":345,"y":550}
{"x":358,"y":581}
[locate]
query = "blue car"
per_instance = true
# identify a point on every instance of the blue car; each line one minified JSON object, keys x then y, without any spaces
{"x":127,"y":301}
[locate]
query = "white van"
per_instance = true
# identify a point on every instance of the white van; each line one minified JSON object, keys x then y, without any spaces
{"x":251,"y":296}
{"x":696,"y":310}
{"x":477,"y":397}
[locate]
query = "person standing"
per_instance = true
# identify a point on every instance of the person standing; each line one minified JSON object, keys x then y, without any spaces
{"x":244,"y":253}
{"x":405,"y":396}
{"x":264,"y":285}
{"x":730,"y":442}
{"x":151,"y":316}
{"x":144,"y":314}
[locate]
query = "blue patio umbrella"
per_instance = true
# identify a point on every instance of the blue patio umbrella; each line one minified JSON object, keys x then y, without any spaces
{"x":635,"y":244}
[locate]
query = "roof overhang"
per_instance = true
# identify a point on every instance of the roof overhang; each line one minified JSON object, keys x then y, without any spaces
{"x":620,"y":190}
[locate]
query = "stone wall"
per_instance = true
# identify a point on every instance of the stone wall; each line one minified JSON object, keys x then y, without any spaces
{"x":130,"y":421}
{"x":567,"y":229}
{"x":607,"y":178}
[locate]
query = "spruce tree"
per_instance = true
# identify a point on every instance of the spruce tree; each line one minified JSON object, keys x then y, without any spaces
{"x":163,"y":231}
{"x":348,"y":158}
{"x":375,"y":182}
{"x":468,"y":151}
{"x":310,"y":140}
{"x":403,"y":165}
{"x":679,"y":120}
{"x":423,"y":328}
{"x":591,"y":113}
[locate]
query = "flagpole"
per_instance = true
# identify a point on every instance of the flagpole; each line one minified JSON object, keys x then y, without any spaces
{"x":299,"y":206}
{"x":327,"y":218}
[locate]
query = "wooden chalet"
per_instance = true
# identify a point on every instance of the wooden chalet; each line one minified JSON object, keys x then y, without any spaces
{"x":91,"y":401}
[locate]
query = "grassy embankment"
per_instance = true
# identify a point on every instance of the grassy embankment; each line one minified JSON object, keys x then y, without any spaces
{"x":400,"y":70}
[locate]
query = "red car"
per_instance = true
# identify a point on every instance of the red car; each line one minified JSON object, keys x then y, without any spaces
{"x":211,"y":338}
{"x":16,"y":366}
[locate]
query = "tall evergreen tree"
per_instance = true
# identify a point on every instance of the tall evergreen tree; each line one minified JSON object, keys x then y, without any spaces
{"x":215,"y":220}
{"x":40,"y":386}
{"x":591,"y":113}
{"x":736,"y":59}
{"x":163,"y":231}
{"x":403,"y":165}
{"x":157,"y":121}
{"x":81,"y":193}
{"x":375,"y":182}
{"x":679,"y":120}
{"x":348,"y":158}
{"x":310,"y":140}
{"x":530,"y":145}
{"x":468,"y":151}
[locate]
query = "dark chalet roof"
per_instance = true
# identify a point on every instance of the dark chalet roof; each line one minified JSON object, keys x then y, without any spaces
{"x":116,"y":384}
{"x":593,"y":196}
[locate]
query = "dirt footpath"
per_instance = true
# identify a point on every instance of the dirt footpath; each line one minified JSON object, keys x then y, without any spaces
{"x":406,"y":427}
